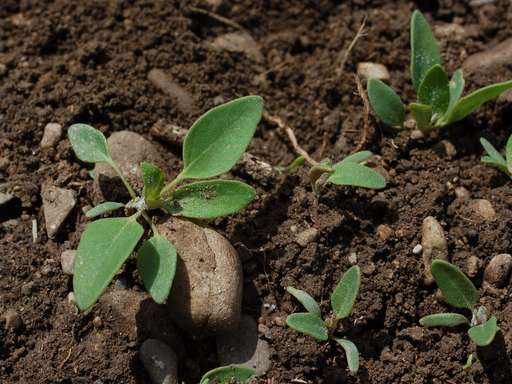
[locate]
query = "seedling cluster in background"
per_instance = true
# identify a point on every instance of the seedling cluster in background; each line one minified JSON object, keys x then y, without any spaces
{"x":312,"y":324}
{"x":459,"y":292}
{"x":439,"y":99}
{"x":212,"y":146}
{"x":495,"y":159}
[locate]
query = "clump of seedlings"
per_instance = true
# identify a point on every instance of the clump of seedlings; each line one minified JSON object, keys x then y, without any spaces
{"x":230,"y":374}
{"x":312,"y":324}
{"x":459,"y":292}
{"x":212,"y":146}
{"x":439,"y":99}
{"x":495,"y":159}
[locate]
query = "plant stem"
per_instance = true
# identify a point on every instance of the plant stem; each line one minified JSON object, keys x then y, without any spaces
{"x":125,"y":182}
{"x":169,"y":188}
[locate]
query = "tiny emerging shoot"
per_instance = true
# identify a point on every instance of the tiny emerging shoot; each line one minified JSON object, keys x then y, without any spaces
{"x":312,"y":324}
{"x":460,"y":292}
{"x":495,"y":159}
{"x":230,"y":374}
{"x":212,"y":146}
{"x":439,"y":99}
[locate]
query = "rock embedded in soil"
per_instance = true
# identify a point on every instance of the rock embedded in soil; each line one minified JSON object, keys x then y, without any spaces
{"x":307,"y":236}
{"x":384,"y":232}
{"x":51,"y":135}
{"x":498,"y":270}
{"x":206,"y":294}
{"x":462,"y":193}
{"x":67,"y":261}
{"x":483,"y":209}
{"x":434,"y":246}
{"x":372,"y":71}
{"x":183,"y":99}
{"x":160,"y":362}
{"x":490,"y":61}
{"x":240,"y":42}
{"x":128,"y":150}
{"x":170,"y":133}
{"x":57,"y":205}
{"x":242,"y":346}
{"x":12,"y":319}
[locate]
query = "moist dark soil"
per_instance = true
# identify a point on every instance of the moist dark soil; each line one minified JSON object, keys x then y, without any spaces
{"x":88,"y":61}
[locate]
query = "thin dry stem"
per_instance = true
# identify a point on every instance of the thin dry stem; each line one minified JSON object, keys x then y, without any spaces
{"x":366,"y":114}
{"x":360,"y":33}
{"x":217,"y":17}
{"x":291,"y":136}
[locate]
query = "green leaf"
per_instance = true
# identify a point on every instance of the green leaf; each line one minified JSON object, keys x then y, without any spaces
{"x":345,"y":294}
{"x":483,"y":334}
{"x":470,"y":103}
{"x":306,"y":300}
{"x":357,"y":157}
{"x":103,"y":208}
{"x":435,"y":90}
{"x":309,"y":324}
{"x":153,"y":179}
{"x":352,"y":354}
{"x":424,"y":50}
{"x":443,"y":320}
{"x":210,"y":199}
{"x":104,"y":247}
{"x":386,"y":103}
{"x":456,"y":88}
{"x":226,"y":375}
{"x":492,"y":152}
{"x":508,"y":152}
{"x":457,"y":289}
{"x":88,"y":143}
{"x":156,"y":263}
{"x":422,"y":114}
{"x":357,"y":175}
{"x":219,"y":137}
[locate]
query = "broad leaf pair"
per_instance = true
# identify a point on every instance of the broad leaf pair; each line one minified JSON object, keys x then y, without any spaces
{"x":439,"y":99}
{"x":495,"y":159}
{"x":212,"y":146}
{"x":231,"y":374}
{"x":342,"y":301}
{"x":460,"y":292}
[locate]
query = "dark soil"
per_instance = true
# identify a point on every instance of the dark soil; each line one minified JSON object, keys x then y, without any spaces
{"x":87,"y":61}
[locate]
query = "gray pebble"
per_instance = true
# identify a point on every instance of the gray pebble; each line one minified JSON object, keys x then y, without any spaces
{"x":57,"y":204}
{"x":51,"y":136}
{"x":498,"y":270}
{"x":12,"y":319}
{"x":160,"y":362}
{"x":67,"y":261}
{"x":307,"y":236}
{"x":434,"y":246}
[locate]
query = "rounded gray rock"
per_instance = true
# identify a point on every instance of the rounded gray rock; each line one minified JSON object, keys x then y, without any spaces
{"x":498,"y":270}
{"x":160,"y":361}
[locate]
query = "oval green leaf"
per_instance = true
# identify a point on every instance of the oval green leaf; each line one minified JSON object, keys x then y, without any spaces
{"x":483,"y":335}
{"x":444,"y":320}
{"x":357,"y":175}
{"x":345,"y":294}
{"x":219,"y":137}
{"x":104,"y":247}
{"x":153,"y":179}
{"x":103,"y":208}
{"x":306,"y":300}
{"x":492,"y":152}
{"x":422,"y":114}
{"x":308,"y":324}
{"x":352,"y":354}
{"x":156,"y":263}
{"x":435,"y":90}
{"x":210,"y":199}
{"x":228,"y":375}
{"x":456,"y":88}
{"x":386,"y":103}
{"x":508,"y":152}
{"x":424,"y":50}
{"x":457,"y":289}
{"x":357,"y":157}
{"x":88,"y":143}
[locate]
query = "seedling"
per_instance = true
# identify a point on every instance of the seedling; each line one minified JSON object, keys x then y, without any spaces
{"x":495,"y":159}
{"x":460,"y":292}
{"x":342,"y":300}
{"x":439,"y":99}
{"x":212,"y":146}
{"x":231,"y":374}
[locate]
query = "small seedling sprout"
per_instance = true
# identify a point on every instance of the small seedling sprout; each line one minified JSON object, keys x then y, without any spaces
{"x":495,"y":159}
{"x":312,"y":324}
{"x":230,"y":374}
{"x":459,"y":292}
{"x":439,"y":99}
{"x":212,"y":146}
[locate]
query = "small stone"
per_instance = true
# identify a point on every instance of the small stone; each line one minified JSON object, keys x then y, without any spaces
{"x":256,"y":168}
{"x":97,"y":322}
{"x":243,"y":347}
{"x":490,"y":60}
{"x":67,"y":261}
{"x":483,"y":208}
{"x":184,"y":100}
{"x":417,"y":249}
{"x":372,"y":71}
{"x":12,"y":319}
{"x":307,"y":236}
{"x":462,"y":193}
{"x":57,"y":204}
{"x":71,"y":298}
{"x":498,"y":270}
{"x":434,"y":246}
{"x":352,"y":258}
{"x":472,"y":266}
{"x":170,"y":133}
{"x":240,"y":42}
{"x":51,"y":136}
{"x":160,"y":361}
{"x":416,"y":134}
{"x":415,"y":333}
{"x":369,"y":268}
{"x":384,"y":232}
{"x":445,"y":149}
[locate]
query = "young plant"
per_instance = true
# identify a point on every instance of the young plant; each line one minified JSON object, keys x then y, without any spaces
{"x":460,"y":292}
{"x":342,"y":300}
{"x":212,"y":146}
{"x":230,"y":374}
{"x":495,"y":159}
{"x":439,"y":99}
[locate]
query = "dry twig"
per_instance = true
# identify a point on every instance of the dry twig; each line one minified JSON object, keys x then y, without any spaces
{"x":360,"y":33}
{"x":366,"y":114}
{"x":217,"y":17}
